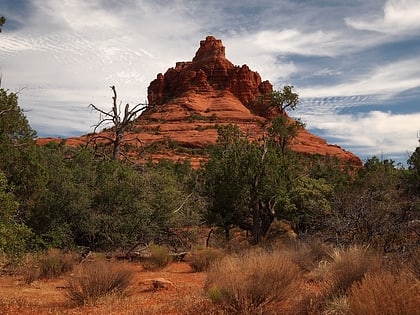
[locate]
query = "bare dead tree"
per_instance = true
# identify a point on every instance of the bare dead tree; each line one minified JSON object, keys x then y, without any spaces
{"x":121,"y":122}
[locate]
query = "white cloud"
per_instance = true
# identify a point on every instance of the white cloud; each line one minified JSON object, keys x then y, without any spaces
{"x":372,"y":133}
{"x":68,"y":53}
{"x":399,"y":16}
{"x":383,"y":80}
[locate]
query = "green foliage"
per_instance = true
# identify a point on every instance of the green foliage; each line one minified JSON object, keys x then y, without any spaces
{"x":62,"y":211}
{"x":13,"y":235}
{"x":14,"y":127}
{"x":2,"y":21}
{"x":243,"y":182}
{"x":280,"y":100}
{"x":105,"y":204}
{"x":159,"y":257}
{"x":307,"y":204}
{"x":133,"y":205}
{"x":19,"y":157}
{"x":334,"y":171}
{"x":283,"y":130}
{"x":224,"y":177}
{"x":413,"y":176}
{"x":249,"y":183}
{"x":284,"y":99}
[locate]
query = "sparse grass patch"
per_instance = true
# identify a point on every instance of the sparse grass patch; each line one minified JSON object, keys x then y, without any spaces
{"x":252,"y":282}
{"x":308,"y":255}
{"x":385,"y":293}
{"x":338,"y":305}
{"x":159,"y":257}
{"x":98,"y":279}
{"x":49,"y":264}
{"x":201,"y":260}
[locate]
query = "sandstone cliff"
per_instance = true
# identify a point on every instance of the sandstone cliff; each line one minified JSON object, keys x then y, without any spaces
{"x":192,"y":98}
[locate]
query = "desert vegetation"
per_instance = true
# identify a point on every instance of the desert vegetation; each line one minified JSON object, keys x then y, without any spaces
{"x":257,"y":229}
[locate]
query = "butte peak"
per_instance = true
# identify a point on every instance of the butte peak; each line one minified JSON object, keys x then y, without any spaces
{"x":189,"y":101}
{"x":210,"y":48}
{"x":209,"y":72}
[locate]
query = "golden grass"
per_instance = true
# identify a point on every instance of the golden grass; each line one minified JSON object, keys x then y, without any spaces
{"x":253,"y":282}
{"x":98,"y":279}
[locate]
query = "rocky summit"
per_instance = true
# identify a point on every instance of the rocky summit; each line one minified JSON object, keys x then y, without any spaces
{"x":189,"y":101}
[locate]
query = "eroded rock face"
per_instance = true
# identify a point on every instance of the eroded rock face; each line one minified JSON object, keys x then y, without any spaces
{"x":209,"y":71}
{"x":191,"y":99}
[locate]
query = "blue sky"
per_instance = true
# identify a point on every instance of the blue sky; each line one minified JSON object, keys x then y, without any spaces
{"x":355,"y":64}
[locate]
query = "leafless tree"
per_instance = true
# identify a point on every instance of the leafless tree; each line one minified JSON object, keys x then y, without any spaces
{"x":121,"y":122}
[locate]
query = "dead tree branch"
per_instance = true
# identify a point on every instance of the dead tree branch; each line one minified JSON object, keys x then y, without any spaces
{"x":121,"y":122}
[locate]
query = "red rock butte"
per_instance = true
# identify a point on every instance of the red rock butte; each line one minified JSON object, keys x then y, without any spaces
{"x":189,"y":101}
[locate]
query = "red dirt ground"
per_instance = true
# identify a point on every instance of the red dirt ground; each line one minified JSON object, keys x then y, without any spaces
{"x":49,"y":296}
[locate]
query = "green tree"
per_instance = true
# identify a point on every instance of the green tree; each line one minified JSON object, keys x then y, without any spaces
{"x":19,"y":156}
{"x":245,"y":181}
{"x":250,"y":182}
{"x":62,"y":215}
{"x":413,"y":176}
{"x":284,"y":99}
{"x":136,"y":205}
{"x":2,"y":21}
{"x":13,"y":234}
{"x":307,"y":204}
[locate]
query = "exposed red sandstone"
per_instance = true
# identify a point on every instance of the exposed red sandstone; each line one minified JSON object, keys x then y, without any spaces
{"x":188,"y":101}
{"x":209,"y":71}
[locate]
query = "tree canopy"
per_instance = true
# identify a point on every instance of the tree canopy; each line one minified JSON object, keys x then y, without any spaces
{"x":2,"y":21}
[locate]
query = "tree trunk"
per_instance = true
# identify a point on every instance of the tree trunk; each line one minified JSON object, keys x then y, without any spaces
{"x":256,"y":223}
{"x":117,"y":144}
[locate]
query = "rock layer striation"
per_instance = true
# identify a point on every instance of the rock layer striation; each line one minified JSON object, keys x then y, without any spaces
{"x":189,"y":101}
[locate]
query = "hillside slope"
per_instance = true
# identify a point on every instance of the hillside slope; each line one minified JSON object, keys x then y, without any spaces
{"x":188,"y":102}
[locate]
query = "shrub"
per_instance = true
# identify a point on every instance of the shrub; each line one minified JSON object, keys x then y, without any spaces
{"x":308,"y":255}
{"x":201,"y":260}
{"x":98,"y":279}
{"x":55,"y":262}
{"x":49,"y":264}
{"x":252,"y":282}
{"x":385,"y":293}
{"x":159,"y":257}
{"x":338,"y":305}
{"x":350,"y":265}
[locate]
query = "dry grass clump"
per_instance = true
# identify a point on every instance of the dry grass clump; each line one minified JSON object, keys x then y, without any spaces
{"x":98,"y":279}
{"x":350,"y":265}
{"x":309,"y":254}
{"x":201,"y":260}
{"x":387,"y":294}
{"x":49,"y":264}
{"x":251,"y":283}
{"x":160,"y":257}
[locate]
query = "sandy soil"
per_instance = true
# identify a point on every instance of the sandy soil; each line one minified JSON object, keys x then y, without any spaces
{"x":49,"y":296}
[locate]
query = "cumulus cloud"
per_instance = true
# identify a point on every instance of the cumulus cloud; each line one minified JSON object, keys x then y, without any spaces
{"x":373,"y":133}
{"x":65,"y":54}
{"x":399,"y":16}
